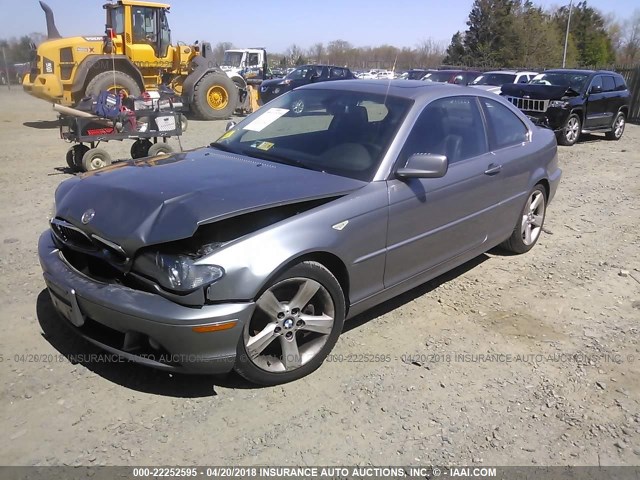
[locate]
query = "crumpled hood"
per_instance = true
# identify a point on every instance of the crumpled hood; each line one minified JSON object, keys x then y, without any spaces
{"x":537,"y":92}
{"x":158,"y":200}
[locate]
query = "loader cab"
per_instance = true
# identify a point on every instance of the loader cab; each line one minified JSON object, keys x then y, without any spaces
{"x":142,"y":31}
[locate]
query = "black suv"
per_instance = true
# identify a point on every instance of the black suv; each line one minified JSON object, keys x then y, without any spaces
{"x":302,"y":75}
{"x":572,"y":102}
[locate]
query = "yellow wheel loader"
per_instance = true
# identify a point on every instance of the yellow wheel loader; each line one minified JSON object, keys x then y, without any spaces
{"x":135,"y":54}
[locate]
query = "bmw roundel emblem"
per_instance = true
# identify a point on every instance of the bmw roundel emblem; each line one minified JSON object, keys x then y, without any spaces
{"x":87,"y":216}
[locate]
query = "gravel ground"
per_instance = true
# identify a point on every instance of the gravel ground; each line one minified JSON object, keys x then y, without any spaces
{"x":507,"y":360}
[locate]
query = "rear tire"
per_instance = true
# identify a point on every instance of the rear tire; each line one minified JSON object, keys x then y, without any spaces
{"x":160,"y":149}
{"x":530,"y":222}
{"x":215,"y":97}
{"x":113,"y":82}
{"x":95,"y":158}
{"x":617,"y":127}
{"x":75,"y":155}
{"x":140,"y":148}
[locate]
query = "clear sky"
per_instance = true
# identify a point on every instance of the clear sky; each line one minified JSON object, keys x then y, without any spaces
{"x":276,"y":24}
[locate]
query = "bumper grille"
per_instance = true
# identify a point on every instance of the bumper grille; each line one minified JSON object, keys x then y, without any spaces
{"x":529,"y":105}
{"x":71,"y":235}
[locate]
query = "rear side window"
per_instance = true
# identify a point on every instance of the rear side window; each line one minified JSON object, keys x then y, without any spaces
{"x":337,"y":73}
{"x":505,"y":126}
{"x":620,"y":85}
{"x":608,"y":84}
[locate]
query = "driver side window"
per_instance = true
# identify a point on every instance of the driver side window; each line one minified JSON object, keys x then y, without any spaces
{"x":596,"y":82}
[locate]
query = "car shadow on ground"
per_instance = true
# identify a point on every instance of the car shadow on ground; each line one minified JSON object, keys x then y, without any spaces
{"x":61,"y":336}
{"x":43,"y":124}
{"x":420,"y":290}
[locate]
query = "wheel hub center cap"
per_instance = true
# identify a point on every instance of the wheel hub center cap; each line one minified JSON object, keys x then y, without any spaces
{"x":288,"y":323}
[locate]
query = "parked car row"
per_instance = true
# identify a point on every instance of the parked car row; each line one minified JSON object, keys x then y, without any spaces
{"x":570,"y":102}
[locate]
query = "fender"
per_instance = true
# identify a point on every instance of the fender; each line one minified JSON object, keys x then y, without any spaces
{"x":201,"y":67}
{"x":239,"y":81}
{"x":102,"y":63}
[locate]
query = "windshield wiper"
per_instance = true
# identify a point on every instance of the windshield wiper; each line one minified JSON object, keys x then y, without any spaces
{"x":275,"y":158}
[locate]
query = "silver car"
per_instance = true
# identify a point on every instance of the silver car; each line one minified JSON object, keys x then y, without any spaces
{"x":251,"y":253}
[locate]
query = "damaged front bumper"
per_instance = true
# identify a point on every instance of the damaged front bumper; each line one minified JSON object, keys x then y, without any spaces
{"x":554,"y":118}
{"x":143,"y":327}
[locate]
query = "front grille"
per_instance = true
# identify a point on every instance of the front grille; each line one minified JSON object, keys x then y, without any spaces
{"x":71,"y":235}
{"x":529,"y":105}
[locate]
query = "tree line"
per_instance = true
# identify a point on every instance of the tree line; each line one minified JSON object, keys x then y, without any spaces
{"x":499,"y":34}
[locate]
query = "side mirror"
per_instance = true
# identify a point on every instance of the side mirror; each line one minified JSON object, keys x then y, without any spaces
{"x":424,"y":165}
{"x":596,"y":89}
{"x":230,"y":125}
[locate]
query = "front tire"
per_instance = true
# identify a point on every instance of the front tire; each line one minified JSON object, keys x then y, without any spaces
{"x":529,"y":226}
{"x":571,"y":131}
{"x":617,"y":127}
{"x":296,"y":323}
{"x":160,"y":149}
{"x":214,"y":97}
{"x":95,"y":158}
{"x":112,"y":82}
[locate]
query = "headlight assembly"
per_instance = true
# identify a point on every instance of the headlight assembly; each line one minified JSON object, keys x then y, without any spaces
{"x":558,"y":103}
{"x":177,"y":272}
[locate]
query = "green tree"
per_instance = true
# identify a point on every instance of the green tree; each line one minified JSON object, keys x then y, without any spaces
{"x":456,"y":53}
{"x":489,"y":40}
{"x":589,"y":33}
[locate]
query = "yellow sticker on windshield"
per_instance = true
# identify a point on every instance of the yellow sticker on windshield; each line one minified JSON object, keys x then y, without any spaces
{"x":264,"y":145}
{"x":227,"y":135}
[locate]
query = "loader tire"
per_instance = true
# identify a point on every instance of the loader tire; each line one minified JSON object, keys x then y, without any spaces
{"x":215,"y":97}
{"x":112,"y":82}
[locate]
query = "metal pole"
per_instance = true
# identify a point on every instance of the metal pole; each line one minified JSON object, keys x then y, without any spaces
{"x":6,"y":68}
{"x":566,"y":37}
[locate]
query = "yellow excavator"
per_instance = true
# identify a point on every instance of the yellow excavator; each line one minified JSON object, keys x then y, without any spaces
{"x":135,"y":54}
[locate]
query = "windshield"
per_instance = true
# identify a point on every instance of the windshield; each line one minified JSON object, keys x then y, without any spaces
{"x":303,"y":72}
{"x":232,"y":59}
{"x":442,"y":77}
{"x":574,"y":81}
{"x":338,"y":132}
{"x":494,"y":79}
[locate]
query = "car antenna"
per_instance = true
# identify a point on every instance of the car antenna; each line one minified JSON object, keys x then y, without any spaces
{"x":393,"y":72}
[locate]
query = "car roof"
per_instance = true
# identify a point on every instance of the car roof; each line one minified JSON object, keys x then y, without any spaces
{"x":570,"y":70}
{"x":411,"y":89}
{"x":511,"y":72}
{"x":319,"y":65}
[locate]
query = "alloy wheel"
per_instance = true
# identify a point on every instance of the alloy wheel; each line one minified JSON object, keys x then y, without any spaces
{"x":533,"y":218}
{"x":292,"y":323}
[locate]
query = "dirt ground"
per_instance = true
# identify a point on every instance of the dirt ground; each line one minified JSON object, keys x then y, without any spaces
{"x":508,"y":360}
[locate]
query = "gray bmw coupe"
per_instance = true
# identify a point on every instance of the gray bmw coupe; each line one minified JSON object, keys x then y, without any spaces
{"x":251,"y":253}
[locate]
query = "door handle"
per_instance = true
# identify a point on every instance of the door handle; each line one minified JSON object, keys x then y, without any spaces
{"x":493,"y":169}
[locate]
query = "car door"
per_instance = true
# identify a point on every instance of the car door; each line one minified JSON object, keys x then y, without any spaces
{"x":435,"y":221}
{"x":612,"y":100}
{"x":596,"y":105}
{"x":514,"y":157}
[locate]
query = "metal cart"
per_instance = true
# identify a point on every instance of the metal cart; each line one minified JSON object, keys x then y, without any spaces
{"x":149,"y":130}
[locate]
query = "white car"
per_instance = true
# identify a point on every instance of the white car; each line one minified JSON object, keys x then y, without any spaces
{"x":493,"y":81}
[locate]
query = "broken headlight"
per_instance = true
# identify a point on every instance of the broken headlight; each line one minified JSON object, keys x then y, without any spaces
{"x":558,"y":103}
{"x":177,"y":272}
